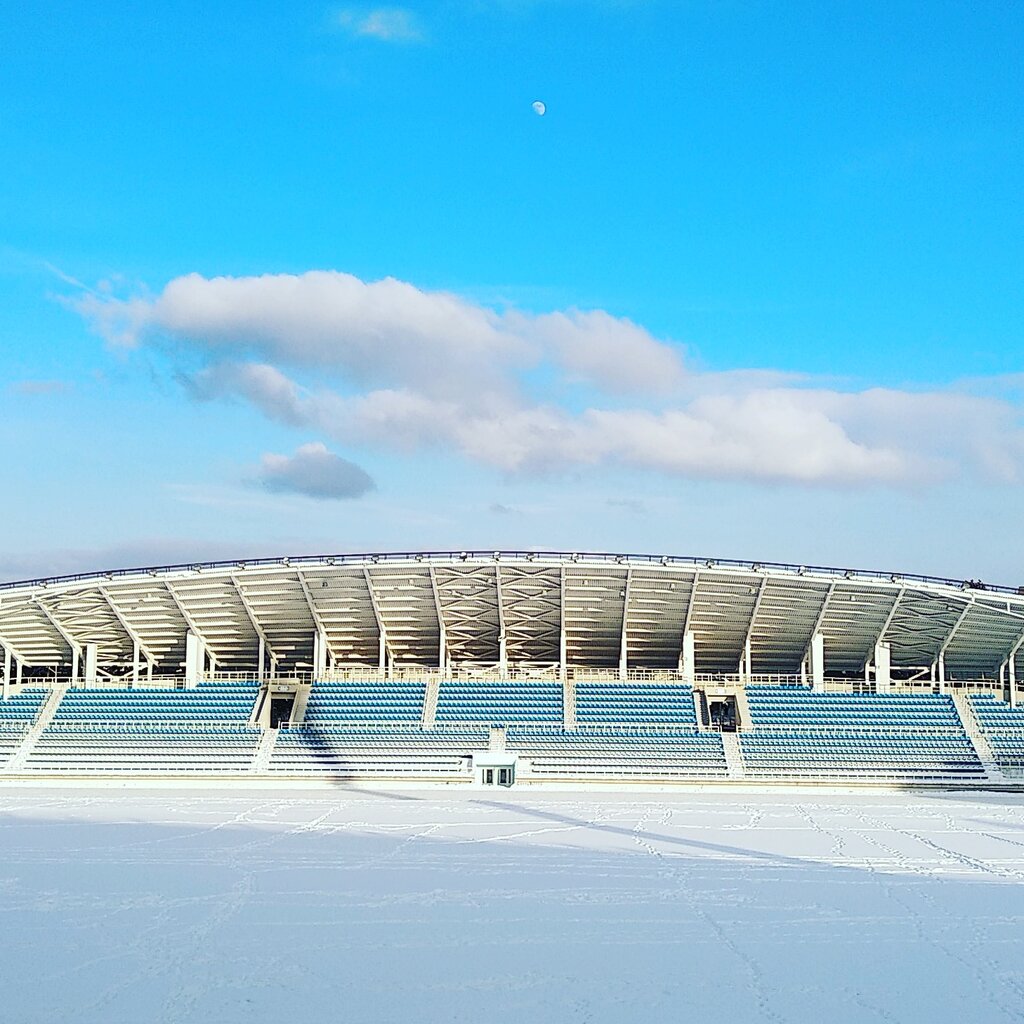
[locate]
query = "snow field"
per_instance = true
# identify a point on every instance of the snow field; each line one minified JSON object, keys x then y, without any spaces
{"x":343,"y":905}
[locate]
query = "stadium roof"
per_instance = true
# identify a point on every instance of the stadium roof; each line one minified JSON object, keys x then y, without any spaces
{"x":507,"y":609}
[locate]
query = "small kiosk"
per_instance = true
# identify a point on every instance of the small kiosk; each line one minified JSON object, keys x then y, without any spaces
{"x":494,"y":768}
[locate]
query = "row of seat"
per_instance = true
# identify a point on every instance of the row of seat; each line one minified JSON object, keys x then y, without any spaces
{"x":609,"y":754}
{"x":365,"y":702}
{"x":22,"y":707}
{"x":499,"y":703}
{"x":793,"y":707}
{"x":855,"y":756}
{"x":1003,"y":728}
{"x":93,"y":748}
{"x":356,"y":751}
{"x":650,"y":703}
{"x":208,"y":702}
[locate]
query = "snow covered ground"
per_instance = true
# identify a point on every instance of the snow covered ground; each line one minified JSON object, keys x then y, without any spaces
{"x":336,"y":905}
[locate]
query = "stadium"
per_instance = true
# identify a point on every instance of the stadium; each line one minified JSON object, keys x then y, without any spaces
{"x":513,"y":668}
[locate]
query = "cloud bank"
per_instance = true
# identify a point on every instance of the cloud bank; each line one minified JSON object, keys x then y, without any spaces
{"x":315,"y":472}
{"x":399,"y":368}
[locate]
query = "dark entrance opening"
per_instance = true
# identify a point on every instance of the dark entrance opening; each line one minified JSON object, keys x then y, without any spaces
{"x":722,"y":711}
{"x":498,"y":776}
{"x":281,"y":709}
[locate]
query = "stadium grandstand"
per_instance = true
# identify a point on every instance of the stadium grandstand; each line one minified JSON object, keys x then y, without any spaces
{"x":510,"y":668}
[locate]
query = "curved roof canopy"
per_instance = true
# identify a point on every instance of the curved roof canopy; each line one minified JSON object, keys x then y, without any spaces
{"x":508,"y":609}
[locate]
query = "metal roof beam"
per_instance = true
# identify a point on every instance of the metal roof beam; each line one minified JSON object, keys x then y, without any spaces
{"x":251,"y":616}
{"x":75,"y":645}
{"x":13,"y":651}
{"x":442,"y":632}
{"x":956,"y":626}
{"x":127,"y":627}
{"x":307,"y":594}
{"x":185,"y":613}
{"x":563,"y":644}
{"x":385,"y":647}
{"x":502,"y":641}
{"x":744,"y":666}
{"x":880,"y":638}
{"x":623,"y":635}
{"x":819,"y":621}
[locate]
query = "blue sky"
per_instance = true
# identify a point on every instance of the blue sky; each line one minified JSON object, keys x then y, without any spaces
{"x":283,"y":278}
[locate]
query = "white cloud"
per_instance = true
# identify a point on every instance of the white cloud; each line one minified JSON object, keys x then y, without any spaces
{"x":609,"y":352}
{"x":314,"y":472}
{"x":388,"y":24}
{"x":390,"y":365}
{"x":387,"y":333}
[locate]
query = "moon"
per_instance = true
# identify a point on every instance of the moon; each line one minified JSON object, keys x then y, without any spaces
{"x":539,"y":108}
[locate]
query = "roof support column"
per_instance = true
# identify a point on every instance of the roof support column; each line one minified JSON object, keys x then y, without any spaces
{"x":502,"y":640}
{"x":253,"y":621}
{"x":563,"y":646}
{"x":195,"y":651}
{"x":319,"y":654}
{"x":818,"y":623}
{"x":197,"y":664}
{"x":7,"y":673}
{"x":885,"y":626}
{"x":949,"y":639}
{"x":817,"y":655}
{"x":384,"y":663}
{"x":442,"y":633}
{"x":73,"y":644}
{"x":91,"y":661}
{"x":1011,"y":672}
{"x":687,"y":663}
{"x":624,"y":635}
{"x":744,"y":666}
{"x":883,"y":671}
{"x":139,"y":649}
{"x":688,"y":657}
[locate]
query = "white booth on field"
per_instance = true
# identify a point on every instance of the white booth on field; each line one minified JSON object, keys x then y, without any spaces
{"x":495,"y":768}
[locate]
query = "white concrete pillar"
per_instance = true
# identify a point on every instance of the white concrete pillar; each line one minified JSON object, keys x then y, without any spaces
{"x":942,"y":672}
{"x":193,"y":658}
{"x":563,"y":653}
{"x":261,"y":657}
{"x":688,"y":656}
{"x":7,"y":673}
{"x":135,"y":663}
{"x":319,"y":654}
{"x":1012,"y":673}
{"x":74,"y":664}
{"x":91,"y":661}
{"x":817,"y":662}
{"x":883,"y":670}
{"x":382,"y":654}
{"x":19,"y":669}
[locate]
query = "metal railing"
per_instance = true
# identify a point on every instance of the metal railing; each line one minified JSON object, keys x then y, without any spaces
{"x":489,"y":557}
